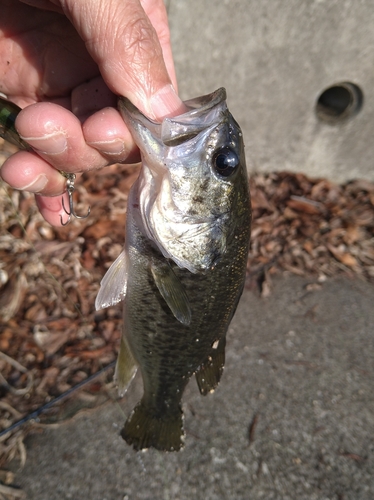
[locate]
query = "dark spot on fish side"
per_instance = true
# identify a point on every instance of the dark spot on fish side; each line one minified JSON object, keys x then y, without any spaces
{"x":198,"y":199}
{"x":205,"y":185}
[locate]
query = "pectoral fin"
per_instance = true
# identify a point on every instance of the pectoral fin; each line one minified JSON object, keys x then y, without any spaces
{"x":210,"y":372}
{"x":114,"y":284}
{"x":125,"y":368}
{"x":172,"y":291}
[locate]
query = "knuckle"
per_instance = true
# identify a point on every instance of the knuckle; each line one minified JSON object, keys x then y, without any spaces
{"x":141,"y":42}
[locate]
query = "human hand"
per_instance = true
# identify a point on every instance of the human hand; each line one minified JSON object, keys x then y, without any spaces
{"x":72,"y":59}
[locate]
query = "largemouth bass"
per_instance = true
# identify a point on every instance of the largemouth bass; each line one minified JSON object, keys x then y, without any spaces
{"x":182,"y":269}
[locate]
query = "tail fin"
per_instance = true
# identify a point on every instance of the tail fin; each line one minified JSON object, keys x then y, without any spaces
{"x":144,"y":430}
{"x":210,"y":372}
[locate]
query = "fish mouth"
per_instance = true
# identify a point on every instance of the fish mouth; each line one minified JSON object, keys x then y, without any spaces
{"x":203,"y":112}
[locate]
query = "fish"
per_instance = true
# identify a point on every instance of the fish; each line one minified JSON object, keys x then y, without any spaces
{"x":182,"y":270}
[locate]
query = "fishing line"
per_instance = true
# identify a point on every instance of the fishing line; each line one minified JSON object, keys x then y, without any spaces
{"x":34,"y":415}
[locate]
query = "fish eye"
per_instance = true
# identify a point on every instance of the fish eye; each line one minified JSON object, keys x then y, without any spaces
{"x":225,"y":161}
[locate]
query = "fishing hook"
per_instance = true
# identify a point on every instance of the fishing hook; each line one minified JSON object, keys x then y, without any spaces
{"x":70,"y":187}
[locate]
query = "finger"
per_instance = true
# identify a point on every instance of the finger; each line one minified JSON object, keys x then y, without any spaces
{"x":103,"y":127}
{"x":57,"y":136}
{"x":121,"y":39}
{"x":44,"y":4}
{"x":157,"y":14}
{"x":42,"y":55}
{"x":28,"y":172}
{"x":106,"y":131}
{"x":90,"y":97}
{"x":52,"y":210}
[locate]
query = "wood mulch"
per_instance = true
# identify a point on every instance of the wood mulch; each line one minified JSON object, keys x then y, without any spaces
{"x":51,"y":338}
{"x":310,"y":227}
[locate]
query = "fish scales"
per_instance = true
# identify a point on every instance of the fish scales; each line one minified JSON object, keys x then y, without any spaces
{"x":182,"y":270}
{"x":160,"y":340}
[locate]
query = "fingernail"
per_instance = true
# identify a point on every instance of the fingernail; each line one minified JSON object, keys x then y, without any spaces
{"x":167,"y":103}
{"x":36,"y":185}
{"x":113,"y":147}
{"x":51,"y":144}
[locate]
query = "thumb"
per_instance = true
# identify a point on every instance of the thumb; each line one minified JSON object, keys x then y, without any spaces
{"x":120,"y":37}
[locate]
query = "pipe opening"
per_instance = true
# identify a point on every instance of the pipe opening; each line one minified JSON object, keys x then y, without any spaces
{"x":339,"y":102}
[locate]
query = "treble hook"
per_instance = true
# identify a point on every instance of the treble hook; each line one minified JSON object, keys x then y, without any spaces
{"x":70,"y":180}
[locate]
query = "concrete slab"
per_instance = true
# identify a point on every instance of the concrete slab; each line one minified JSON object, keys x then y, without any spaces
{"x":275,"y":58}
{"x":292,"y":418}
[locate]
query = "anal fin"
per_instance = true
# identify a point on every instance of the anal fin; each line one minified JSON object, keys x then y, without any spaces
{"x":210,"y":372}
{"x":145,"y":430}
{"x":125,"y":367}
